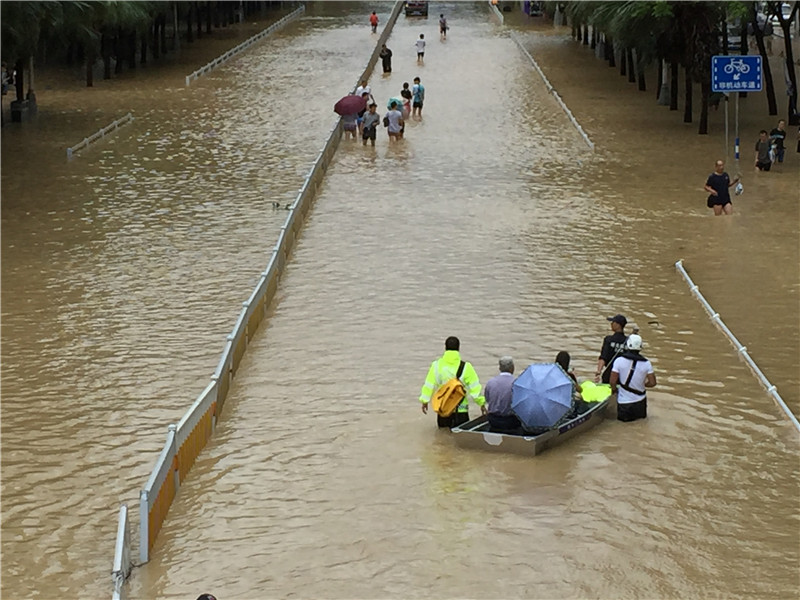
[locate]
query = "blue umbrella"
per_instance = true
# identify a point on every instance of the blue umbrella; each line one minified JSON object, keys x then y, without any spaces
{"x":541,"y":395}
{"x":399,"y":102}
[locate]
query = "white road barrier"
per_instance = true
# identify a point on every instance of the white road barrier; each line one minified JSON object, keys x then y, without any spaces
{"x":99,"y":135}
{"x":553,"y":91}
{"x":742,"y":350}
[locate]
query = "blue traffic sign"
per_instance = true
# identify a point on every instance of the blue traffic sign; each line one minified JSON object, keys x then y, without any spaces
{"x":736,"y":73}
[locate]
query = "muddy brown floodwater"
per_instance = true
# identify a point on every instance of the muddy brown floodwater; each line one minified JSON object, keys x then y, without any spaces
{"x":124,"y":270}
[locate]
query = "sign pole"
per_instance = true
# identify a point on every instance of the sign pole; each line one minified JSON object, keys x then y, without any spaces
{"x":736,"y":135}
{"x":726,"y":128}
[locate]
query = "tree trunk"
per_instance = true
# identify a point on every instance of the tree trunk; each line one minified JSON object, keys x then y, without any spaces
{"x":623,"y":62}
{"x":705,"y":92}
{"x":640,"y":76}
{"x":209,"y":11}
{"x":118,"y":53}
{"x":19,"y":83}
{"x":631,"y":69}
{"x":659,"y":80}
{"x":90,"y":68}
{"x":189,"y":28}
{"x":585,"y":34}
{"x":143,"y":42}
{"x":154,"y":40}
{"x":673,"y":85}
{"x":198,"y":17}
{"x":744,"y":45}
{"x":105,"y":49}
{"x":593,"y":44}
{"x":131,"y":39}
{"x":576,"y":32}
{"x":687,"y":105}
{"x":771,"y":102}
{"x":612,"y":61}
{"x":791,"y":75}
{"x":176,"y":42}
{"x":162,"y":33}
{"x":723,"y":27}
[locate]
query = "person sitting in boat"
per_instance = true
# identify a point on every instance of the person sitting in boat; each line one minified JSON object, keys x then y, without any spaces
{"x":631,"y":374}
{"x":579,"y":406}
{"x":445,"y":369}
{"x":497,"y":393}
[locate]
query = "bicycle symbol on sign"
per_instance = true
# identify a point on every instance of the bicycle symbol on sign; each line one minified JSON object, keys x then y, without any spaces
{"x":736,"y":65}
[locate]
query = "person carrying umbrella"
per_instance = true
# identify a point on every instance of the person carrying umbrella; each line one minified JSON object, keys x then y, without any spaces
{"x":443,"y":370}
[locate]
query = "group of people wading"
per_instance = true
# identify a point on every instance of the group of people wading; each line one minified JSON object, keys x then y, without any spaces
{"x":620,"y":364}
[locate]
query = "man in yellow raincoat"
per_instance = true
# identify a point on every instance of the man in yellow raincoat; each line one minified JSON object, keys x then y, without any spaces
{"x":443,"y":370}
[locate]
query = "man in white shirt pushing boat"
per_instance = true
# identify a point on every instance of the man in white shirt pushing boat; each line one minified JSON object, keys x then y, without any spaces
{"x":631,"y":374}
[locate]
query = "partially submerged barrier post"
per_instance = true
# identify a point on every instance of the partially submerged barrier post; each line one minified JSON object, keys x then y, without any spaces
{"x":122,"y":553}
{"x":742,"y":350}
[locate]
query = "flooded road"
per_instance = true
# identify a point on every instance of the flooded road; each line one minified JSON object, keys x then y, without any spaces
{"x":491,"y":221}
{"x":494,"y":222}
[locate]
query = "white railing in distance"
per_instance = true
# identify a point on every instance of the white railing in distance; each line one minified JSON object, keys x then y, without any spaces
{"x":553,"y":91}
{"x":99,"y":134}
{"x":497,"y":13}
{"x":742,"y":350}
{"x":245,"y":44}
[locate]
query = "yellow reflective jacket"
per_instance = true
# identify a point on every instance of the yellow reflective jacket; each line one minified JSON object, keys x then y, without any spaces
{"x":443,"y":370}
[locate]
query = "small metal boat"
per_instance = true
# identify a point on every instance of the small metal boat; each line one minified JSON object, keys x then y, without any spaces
{"x":475,"y":434}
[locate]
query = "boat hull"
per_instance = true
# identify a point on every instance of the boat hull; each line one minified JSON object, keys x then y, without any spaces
{"x":475,"y":434}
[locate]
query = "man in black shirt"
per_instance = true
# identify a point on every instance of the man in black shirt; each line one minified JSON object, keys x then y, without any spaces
{"x":778,"y":135}
{"x":717,"y":186}
{"x":613,"y":346}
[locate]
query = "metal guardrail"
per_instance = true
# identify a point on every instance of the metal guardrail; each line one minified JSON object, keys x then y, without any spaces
{"x":742,"y":350}
{"x":497,"y":13}
{"x":552,"y":90}
{"x":122,"y":554}
{"x":186,"y":439}
{"x":99,"y":135}
{"x":245,"y":44}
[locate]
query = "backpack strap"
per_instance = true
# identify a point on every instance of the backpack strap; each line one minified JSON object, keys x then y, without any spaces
{"x":627,"y":385}
{"x":460,"y":370}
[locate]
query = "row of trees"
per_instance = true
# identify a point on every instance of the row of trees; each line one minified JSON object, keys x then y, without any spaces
{"x":122,"y":33}
{"x":681,"y":34}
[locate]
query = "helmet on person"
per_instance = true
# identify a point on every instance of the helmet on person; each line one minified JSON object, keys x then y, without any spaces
{"x":634,"y":342}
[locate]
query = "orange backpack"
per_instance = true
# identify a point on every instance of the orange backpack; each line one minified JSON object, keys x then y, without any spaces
{"x":450,"y":395}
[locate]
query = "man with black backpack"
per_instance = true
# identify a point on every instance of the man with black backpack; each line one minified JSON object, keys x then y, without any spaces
{"x":450,"y":383}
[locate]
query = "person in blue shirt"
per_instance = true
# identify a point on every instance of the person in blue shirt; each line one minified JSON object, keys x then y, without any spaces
{"x":417,"y":98}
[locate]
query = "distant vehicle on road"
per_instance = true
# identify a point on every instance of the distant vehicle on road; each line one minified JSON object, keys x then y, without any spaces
{"x":416,"y":9}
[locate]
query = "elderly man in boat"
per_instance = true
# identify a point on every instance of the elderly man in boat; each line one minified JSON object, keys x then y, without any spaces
{"x":497,"y":393}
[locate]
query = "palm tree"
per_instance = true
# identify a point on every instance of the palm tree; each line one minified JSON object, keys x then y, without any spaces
{"x":788,"y":57}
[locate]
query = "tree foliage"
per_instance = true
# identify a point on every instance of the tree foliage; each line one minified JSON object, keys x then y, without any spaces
{"x":682,"y":32}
